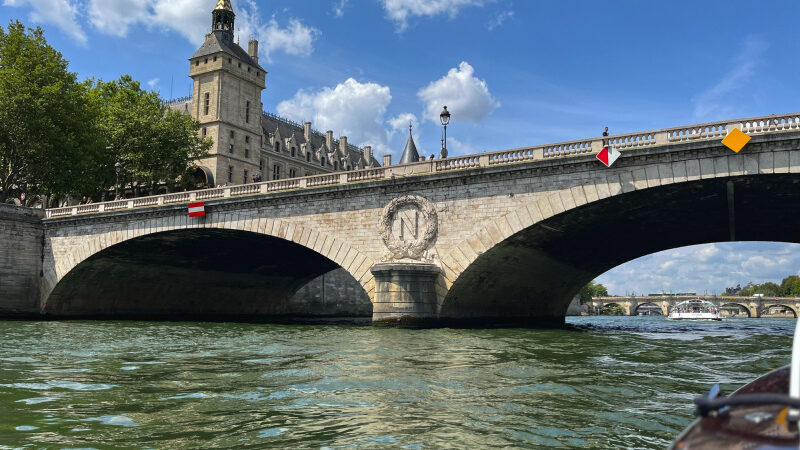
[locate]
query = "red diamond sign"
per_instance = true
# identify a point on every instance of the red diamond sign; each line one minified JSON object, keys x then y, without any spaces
{"x":607,"y":156}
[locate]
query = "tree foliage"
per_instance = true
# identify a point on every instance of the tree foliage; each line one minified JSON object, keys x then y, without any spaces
{"x":789,"y":287}
{"x":152,"y":142}
{"x":62,"y":137}
{"x":592,"y":290}
{"x":47,"y":136}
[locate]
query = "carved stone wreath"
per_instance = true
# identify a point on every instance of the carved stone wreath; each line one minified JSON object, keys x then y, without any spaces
{"x":415,"y":249}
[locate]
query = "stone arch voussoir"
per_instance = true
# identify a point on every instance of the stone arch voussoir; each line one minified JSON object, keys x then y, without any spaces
{"x":598,"y":187}
{"x":353,"y":261}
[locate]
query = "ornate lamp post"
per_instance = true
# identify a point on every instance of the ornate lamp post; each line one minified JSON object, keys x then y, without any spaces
{"x":117,"y":167}
{"x":444,"y":117}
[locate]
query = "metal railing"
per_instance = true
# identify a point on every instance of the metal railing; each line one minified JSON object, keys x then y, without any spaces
{"x":625,"y":142}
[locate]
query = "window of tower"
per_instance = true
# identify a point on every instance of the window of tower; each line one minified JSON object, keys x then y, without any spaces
{"x":232,"y":134}
{"x":247,"y":113}
{"x":240,"y":65}
{"x":230,"y":60}
{"x":230,"y":174}
{"x":230,"y":149}
{"x":206,"y":61}
{"x":248,"y":69}
{"x":261,"y":165}
{"x":215,"y":59}
{"x":197,"y":63}
{"x":247,"y":153}
{"x":258,"y":73}
{"x":247,"y":139}
{"x":205,"y":131}
{"x":207,"y":100}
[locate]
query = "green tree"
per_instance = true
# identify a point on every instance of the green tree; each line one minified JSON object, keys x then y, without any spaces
{"x":592,"y":290}
{"x":790,"y":286}
{"x":47,"y":133}
{"x":152,"y":142}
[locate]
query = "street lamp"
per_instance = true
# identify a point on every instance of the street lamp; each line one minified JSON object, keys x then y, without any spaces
{"x":117,"y":167}
{"x":444,"y":117}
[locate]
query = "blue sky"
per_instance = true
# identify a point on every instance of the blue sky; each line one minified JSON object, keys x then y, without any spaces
{"x":512,"y":72}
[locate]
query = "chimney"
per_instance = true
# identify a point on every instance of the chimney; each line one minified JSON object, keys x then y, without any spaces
{"x":343,"y":145}
{"x":368,"y":155}
{"x":307,"y":131}
{"x":387,"y":160}
{"x":252,"y":49}
{"x":329,"y":140}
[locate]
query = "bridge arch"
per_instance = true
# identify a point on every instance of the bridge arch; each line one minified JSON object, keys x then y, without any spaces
{"x":649,"y":305}
{"x":766,"y":309}
{"x":533,"y":260}
{"x":283,"y":255}
{"x":742,"y":307}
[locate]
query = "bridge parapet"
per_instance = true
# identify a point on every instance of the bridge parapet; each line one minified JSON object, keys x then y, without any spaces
{"x":576,"y":148}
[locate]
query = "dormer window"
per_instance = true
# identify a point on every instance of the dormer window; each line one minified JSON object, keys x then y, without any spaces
{"x":293,"y":152}
{"x":206,"y":61}
{"x":240,"y":65}
{"x":197,"y":63}
{"x":248,"y":69}
{"x":230,"y":61}
{"x":308,"y":157}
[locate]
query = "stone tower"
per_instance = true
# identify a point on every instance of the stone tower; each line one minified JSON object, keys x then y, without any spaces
{"x":227,"y":100}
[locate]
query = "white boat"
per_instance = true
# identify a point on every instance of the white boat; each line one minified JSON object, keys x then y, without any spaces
{"x":695,"y":309}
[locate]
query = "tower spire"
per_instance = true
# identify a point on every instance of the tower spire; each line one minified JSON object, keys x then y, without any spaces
{"x":410,"y":154}
{"x":223,"y":17}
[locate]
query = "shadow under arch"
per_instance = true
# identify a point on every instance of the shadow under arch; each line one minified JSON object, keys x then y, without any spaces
{"x":649,"y":308}
{"x":766,"y":311}
{"x":739,"y":306}
{"x":208,"y":274}
{"x":530,"y":277}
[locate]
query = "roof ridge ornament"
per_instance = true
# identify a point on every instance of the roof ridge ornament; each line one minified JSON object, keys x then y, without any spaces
{"x":225,"y":5}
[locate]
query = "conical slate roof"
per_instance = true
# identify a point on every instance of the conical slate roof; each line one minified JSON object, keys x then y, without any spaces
{"x":410,"y":154}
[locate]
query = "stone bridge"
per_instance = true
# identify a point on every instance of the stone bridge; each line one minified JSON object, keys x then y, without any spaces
{"x":749,"y":306}
{"x":502,"y":237}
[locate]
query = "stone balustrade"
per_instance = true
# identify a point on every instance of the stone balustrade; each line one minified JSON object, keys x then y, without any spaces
{"x":624,"y":142}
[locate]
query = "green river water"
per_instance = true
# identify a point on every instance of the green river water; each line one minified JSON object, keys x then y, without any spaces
{"x":602,"y":382}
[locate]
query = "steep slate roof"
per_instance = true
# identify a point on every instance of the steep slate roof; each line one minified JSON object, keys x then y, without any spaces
{"x":410,"y":154}
{"x":271,"y":123}
{"x":221,"y":41}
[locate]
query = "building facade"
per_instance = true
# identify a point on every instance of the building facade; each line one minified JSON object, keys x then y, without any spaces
{"x":249,"y":144}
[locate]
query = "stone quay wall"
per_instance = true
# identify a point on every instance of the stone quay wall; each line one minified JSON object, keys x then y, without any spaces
{"x":21,"y":239}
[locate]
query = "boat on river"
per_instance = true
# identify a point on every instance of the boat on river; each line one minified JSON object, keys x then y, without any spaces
{"x":761,"y":415}
{"x":695,"y":309}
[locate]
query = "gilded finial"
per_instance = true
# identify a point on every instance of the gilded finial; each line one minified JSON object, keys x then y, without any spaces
{"x":224,"y":4}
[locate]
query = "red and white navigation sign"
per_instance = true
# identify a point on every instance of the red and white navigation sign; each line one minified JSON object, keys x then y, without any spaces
{"x":197,"y":209}
{"x":607,"y":156}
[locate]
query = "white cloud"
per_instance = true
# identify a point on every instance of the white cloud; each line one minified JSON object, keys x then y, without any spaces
{"x":455,"y":147}
{"x":707,"y":252}
{"x":400,"y":122}
{"x":466,"y":96}
{"x":294,"y":39}
{"x":61,"y":13}
{"x":500,"y":19}
{"x":400,"y":11}
{"x":153,"y":83}
{"x":192,"y":20}
{"x":339,"y":6}
{"x":721,"y":99}
{"x":116,"y":17}
{"x":705,"y":268}
{"x":352,"y":109}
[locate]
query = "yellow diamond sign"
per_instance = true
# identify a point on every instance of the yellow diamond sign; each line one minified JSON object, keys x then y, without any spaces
{"x":736,"y":140}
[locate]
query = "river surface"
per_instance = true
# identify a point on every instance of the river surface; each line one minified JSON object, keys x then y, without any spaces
{"x":602,"y":382}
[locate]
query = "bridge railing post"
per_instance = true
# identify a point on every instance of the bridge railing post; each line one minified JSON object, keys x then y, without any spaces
{"x":303,"y":183}
{"x":226,"y":193}
{"x":130,"y":204}
{"x":662,"y":137}
{"x":192,"y":196}
{"x":597,"y":145}
{"x":75,"y":211}
{"x":343,"y":178}
{"x":483,"y":161}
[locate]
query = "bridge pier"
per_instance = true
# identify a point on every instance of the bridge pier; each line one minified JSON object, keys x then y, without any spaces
{"x":405,"y":294}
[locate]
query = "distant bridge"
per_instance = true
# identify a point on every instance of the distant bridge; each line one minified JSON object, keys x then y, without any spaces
{"x":748,"y":306}
{"x":501,"y":236}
